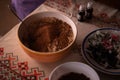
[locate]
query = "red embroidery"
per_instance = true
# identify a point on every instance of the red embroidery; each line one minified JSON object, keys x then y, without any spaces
{"x":46,"y":78}
{"x":1,"y":51}
{"x":103,"y":15}
{"x":23,"y":66}
{"x":11,"y":68}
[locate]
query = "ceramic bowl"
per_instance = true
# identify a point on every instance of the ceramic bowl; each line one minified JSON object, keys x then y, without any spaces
{"x":101,"y":49}
{"x":76,"y":67}
{"x":45,"y":56}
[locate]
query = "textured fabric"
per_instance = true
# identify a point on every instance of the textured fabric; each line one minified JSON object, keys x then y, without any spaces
{"x":14,"y":62}
{"x":24,"y":7}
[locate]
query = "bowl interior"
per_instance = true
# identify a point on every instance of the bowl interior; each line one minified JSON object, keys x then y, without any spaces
{"x":25,"y":27}
{"x":101,"y":63}
{"x":73,"y":67}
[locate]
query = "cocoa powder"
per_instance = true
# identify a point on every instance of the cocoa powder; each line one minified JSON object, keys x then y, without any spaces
{"x":49,"y":34}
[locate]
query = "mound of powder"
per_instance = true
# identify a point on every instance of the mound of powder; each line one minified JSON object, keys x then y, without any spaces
{"x":49,"y":34}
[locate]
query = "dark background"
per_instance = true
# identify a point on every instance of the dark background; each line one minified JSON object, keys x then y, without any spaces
{"x":112,"y":3}
{"x":7,"y":18}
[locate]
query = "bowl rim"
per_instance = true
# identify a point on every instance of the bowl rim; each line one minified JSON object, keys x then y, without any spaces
{"x":95,"y":66}
{"x":74,"y":62}
{"x":48,"y":53}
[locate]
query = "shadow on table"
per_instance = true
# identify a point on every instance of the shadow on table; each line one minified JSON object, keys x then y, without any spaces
{"x":104,"y":76}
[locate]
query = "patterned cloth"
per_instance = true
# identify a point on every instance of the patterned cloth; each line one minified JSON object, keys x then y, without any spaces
{"x":104,"y":16}
{"x":15,"y":64}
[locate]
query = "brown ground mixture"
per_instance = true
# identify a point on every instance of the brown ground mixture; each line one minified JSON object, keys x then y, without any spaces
{"x":74,"y":76}
{"x":49,"y":34}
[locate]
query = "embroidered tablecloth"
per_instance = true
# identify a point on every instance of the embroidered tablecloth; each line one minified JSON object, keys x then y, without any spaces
{"x":15,"y":64}
{"x":104,"y":15}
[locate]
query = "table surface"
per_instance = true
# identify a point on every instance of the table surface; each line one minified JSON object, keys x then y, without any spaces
{"x":16,"y":64}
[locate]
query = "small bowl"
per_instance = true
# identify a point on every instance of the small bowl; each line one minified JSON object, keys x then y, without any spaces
{"x":75,"y":67}
{"x":44,"y":56}
{"x":99,"y":52}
